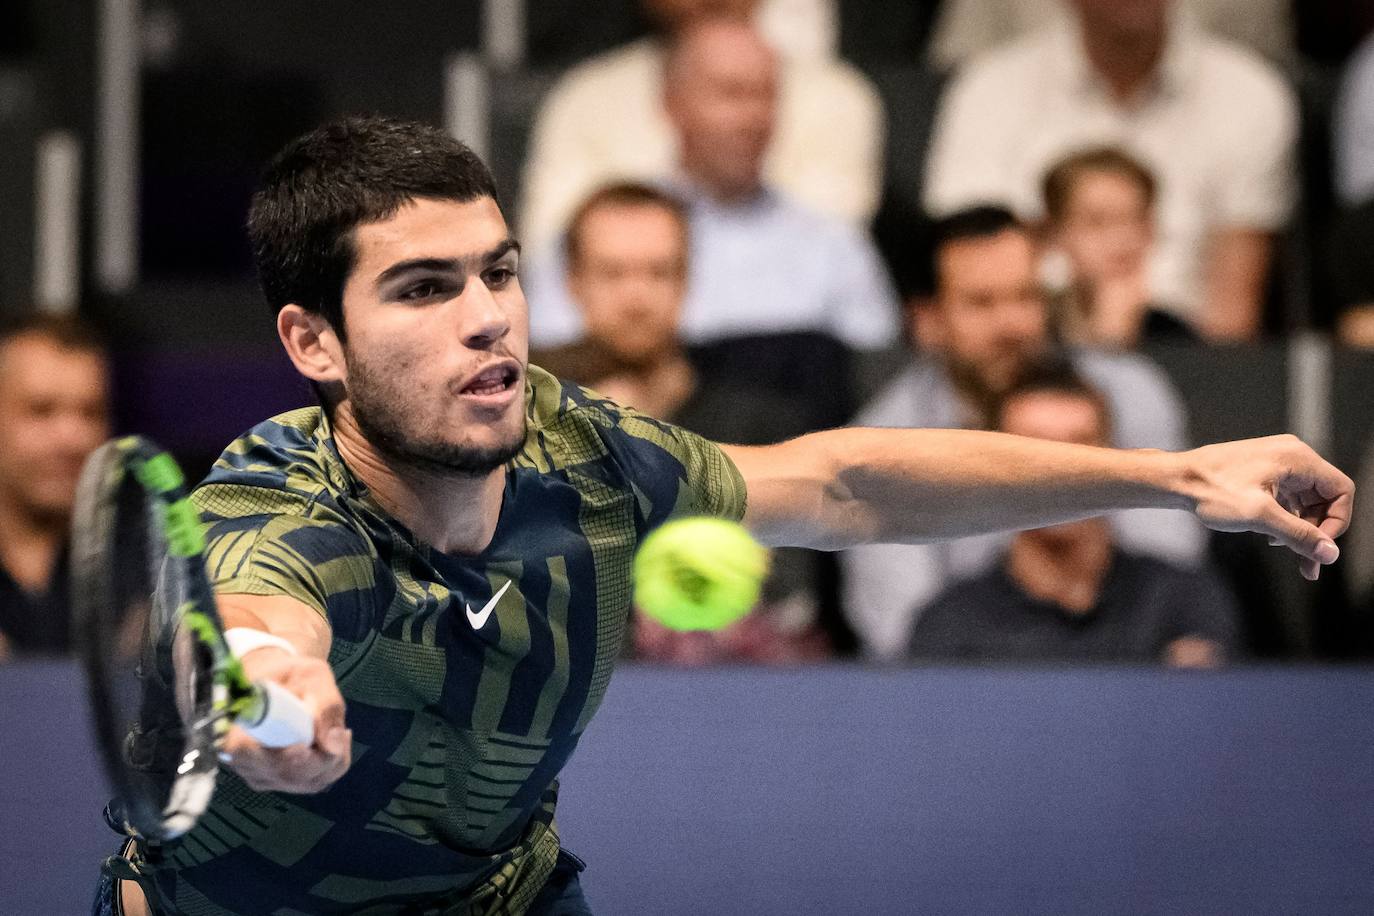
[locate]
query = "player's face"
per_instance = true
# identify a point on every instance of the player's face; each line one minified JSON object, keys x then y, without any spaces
{"x":629,"y":279}
{"x":438,"y":336}
{"x":991,"y":317}
{"x":1105,"y":230}
{"x":54,"y":411}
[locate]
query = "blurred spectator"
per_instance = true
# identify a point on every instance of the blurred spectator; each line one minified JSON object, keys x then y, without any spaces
{"x":988,"y":322}
{"x":1357,"y":553}
{"x":1069,"y":593}
{"x":1214,"y":123}
{"x":627,"y":270}
{"x":779,"y":291}
{"x":1099,"y":219}
{"x":1352,"y":274}
{"x":1353,"y":125}
{"x":605,"y":120}
{"x":966,"y":28}
{"x":54,"y":411}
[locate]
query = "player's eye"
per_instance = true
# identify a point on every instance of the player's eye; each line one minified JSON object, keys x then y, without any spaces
{"x":498,"y":277}
{"x":425,"y":289}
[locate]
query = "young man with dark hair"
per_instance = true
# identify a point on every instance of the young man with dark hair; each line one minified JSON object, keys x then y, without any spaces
{"x":54,"y":410}
{"x":451,"y":475}
{"x":1069,"y":592}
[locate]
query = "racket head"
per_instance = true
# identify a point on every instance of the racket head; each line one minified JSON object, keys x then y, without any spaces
{"x":155,"y":684}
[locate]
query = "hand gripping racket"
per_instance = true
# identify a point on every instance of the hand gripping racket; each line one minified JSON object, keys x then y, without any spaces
{"x":164,"y":687}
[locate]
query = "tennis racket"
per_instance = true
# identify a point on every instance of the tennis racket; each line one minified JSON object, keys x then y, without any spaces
{"x":164,"y":687}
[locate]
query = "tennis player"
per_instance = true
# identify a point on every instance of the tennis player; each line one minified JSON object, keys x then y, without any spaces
{"x":437,"y":559}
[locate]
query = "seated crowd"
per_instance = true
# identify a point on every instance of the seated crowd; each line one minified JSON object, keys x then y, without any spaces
{"x":698,"y":210}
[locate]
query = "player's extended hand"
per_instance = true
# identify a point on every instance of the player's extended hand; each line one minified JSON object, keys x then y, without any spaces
{"x":1277,"y":486}
{"x":300,"y":768}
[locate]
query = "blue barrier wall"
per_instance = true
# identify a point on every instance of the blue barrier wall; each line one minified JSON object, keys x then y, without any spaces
{"x":846,"y":790}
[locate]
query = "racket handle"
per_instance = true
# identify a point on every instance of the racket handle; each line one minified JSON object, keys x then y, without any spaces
{"x":285,"y":719}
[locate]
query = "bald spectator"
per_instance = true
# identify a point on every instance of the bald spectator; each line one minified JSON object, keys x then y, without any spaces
{"x":780,"y":292}
{"x":1213,"y":122}
{"x":605,"y":121}
{"x":986,"y":325}
{"x":1069,"y":592}
{"x":54,"y":411}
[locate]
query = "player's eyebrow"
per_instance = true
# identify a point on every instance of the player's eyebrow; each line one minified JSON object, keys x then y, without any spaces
{"x":460,"y":266}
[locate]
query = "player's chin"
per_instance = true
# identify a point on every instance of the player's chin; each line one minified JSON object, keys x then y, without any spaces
{"x":492,"y":429}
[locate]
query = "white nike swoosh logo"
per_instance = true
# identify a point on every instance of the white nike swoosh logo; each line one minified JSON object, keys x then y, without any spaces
{"x":479,"y":619}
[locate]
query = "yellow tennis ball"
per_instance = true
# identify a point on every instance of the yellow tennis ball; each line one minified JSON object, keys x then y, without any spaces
{"x":699,"y":573}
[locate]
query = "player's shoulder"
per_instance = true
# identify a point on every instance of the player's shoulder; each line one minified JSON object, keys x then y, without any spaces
{"x":284,"y":465}
{"x":571,"y":425}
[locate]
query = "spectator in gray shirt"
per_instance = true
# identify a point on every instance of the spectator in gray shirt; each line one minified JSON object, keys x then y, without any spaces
{"x":987,"y":322}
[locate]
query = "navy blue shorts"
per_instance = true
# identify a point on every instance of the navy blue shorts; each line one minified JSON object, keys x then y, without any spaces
{"x":561,"y":896}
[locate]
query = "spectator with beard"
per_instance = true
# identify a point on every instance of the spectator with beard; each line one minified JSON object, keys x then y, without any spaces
{"x":986,"y":323}
{"x":54,"y":411}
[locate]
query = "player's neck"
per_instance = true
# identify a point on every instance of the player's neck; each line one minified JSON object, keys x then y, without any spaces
{"x":452,"y":513}
{"x":30,"y":544}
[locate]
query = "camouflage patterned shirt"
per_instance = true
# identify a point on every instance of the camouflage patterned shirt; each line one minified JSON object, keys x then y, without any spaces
{"x":461,"y":722}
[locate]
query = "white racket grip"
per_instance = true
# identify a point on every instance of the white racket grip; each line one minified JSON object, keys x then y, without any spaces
{"x":285,"y":718}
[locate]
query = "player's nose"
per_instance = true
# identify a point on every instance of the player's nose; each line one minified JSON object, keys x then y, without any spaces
{"x":482,"y":320}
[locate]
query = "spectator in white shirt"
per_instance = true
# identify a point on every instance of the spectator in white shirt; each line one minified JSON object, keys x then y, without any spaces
{"x":762,"y":265}
{"x":987,"y":323}
{"x":605,"y":121}
{"x":1212,"y":121}
{"x":1353,"y":147}
{"x":966,"y":28}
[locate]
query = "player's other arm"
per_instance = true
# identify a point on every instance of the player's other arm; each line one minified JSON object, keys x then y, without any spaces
{"x":845,"y":487}
{"x":305,"y":673}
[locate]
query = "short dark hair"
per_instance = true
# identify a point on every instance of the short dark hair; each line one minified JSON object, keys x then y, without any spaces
{"x":977,"y":222}
{"x":619,"y":194}
{"x":981,"y":221}
{"x":323,"y":185}
{"x":67,"y":332}
{"x":1054,"y":375}
{"x":1058,"y":184}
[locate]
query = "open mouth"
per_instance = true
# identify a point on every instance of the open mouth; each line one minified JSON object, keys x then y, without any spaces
{"x":492,"y":382}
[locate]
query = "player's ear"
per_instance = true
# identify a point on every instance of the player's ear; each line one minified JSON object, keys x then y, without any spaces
{"x":312,"y":344}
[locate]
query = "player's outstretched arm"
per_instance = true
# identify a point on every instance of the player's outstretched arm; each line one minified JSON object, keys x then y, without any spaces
{"x":845,"y":487}
{"x":299,"y":768}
